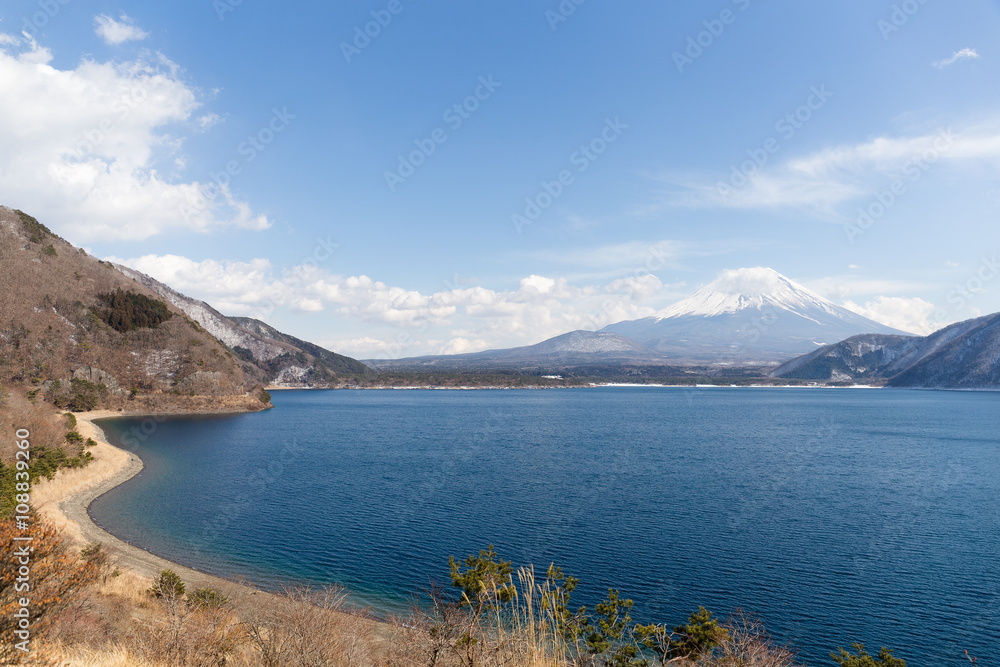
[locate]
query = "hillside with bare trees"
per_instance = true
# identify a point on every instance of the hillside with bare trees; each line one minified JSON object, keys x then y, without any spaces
{"x":78,"y":334}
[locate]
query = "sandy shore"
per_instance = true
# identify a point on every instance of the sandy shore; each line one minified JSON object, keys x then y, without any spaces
{"x":64,"y":501}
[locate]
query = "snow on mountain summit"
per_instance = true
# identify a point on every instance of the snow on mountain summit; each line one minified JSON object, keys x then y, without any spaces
{"x":741,"y":289}
{"x":747,"y":316}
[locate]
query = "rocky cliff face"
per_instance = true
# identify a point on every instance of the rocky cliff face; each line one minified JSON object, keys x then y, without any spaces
{"x":267,"y":355}
{"x":864,"y":357}
{"x":55,"y":340}
{"x":965,"y":355}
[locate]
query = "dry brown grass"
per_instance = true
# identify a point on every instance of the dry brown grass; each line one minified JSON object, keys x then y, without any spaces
{"x":108,"y":461}
{"x":305,"y":627}
{"x":521,"y":632}
{"x":84,"y":656}
{"x":47,"y":426}
{"x":119,"y":624}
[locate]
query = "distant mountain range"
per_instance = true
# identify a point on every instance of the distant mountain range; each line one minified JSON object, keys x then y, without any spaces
{"x":577,"y":348}
{"x":746,"y":318}
{"x":59,"y":333}
{"x":965,"y":355}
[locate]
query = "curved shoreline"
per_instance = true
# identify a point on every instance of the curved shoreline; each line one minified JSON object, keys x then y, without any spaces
{"x":65,"y":501}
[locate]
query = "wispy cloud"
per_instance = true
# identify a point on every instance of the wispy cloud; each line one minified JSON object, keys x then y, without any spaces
{"x":115,"y":32}
{"x":827,"y":178}
{"x":964,"y":54}
{"x":853,"y":286}
{"x":208,"y":120}
{"x":614,"y":258}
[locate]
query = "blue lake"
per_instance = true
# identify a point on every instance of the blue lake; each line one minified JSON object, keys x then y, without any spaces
{"x":836,"y":515}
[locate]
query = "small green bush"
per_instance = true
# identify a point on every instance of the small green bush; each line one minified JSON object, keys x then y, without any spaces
{"x":167,"y":585}
{"x":84,"y":395}
{"x":862,"y":659}
{"x":46,"y":461}
{"x":207,"y":598}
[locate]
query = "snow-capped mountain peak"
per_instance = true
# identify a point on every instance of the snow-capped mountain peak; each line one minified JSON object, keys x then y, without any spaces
{"x":756,"y":288}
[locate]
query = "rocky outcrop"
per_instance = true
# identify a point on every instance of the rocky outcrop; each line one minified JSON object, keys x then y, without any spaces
{"x":97,"y":376}
{"x":207,"y":383}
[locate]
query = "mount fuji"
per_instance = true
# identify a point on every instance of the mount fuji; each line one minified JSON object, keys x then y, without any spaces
{"x":747,"y":317}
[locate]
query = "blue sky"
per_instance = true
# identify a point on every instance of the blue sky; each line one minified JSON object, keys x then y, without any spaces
{"x":603,"y":160}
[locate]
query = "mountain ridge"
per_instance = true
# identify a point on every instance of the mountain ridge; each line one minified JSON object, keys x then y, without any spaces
{"x":273,"y":357}
{"x":964,"y":355}
{"x":58,"y":337}
{"x":574,"y":347}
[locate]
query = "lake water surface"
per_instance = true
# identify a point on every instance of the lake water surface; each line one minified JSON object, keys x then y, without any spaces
{"x":836,"y":515}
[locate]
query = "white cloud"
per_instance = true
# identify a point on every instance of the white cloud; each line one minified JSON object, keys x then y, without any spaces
{"x":538,"y":284}
{"x":8,"y":40}
{"x":638,"y":285}
{"x":208,"y":120}
{"x":81,"y":147}
{"x":234,"y":288}
{"x":364,"y":347}
{"x":382,"y":319}
{"x":964,"y":54}
{"x":634,"y":255}
{"x":463,"y":346}
{"x":829,"y":177}
{"x":850,"y":286}
{"x":911,"y":315}
{"x":116,"y":32}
